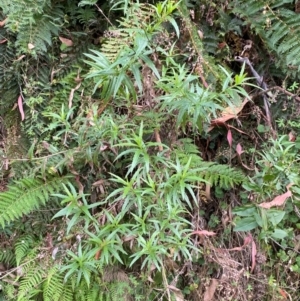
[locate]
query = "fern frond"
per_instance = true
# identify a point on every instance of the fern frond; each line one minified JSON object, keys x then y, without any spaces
{"x":26,"y":195}
{"x":278,"y":26}
{"x":9,"y":292}
{"x":67,"y":295}
{"x":86,"y":15}
{"x":187,"y":147}
{"x":7,"y":256}
{"x":124,"y":36}
{"x":216,"y":174}
{"x":93,"y":293}
{"x":119,"y":290}
{"x":30,"y":283}
{"x":22,"y":246}
{"x":9,"y":77}
{"x":222,"y":175}
{"x":34,"y":22}
{"x":54,"y":288}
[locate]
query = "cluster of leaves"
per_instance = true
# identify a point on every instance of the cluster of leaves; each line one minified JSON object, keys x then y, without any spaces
{"x":106,"y":194}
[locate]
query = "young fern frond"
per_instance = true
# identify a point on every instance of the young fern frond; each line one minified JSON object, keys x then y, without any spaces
{"x":25,"y":195}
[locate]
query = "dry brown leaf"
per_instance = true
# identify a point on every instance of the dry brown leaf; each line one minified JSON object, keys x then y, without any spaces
{"x":283,"y":293}
{"x":229,"y":137}
{"x":229,"y":113}
{"x":292,"y":136}
{"x":98,"y":183}
{"x":178,"y":296}
{"x":200,"y":34}
{"x":177,"y":293}
{"x":204,"y":233}
{"x":102,"y":108}
{"x":239,"y":149}
{"x":253,"y":256}
{"x":20,"y":58}
{"x":247,"y":240}
{"x":3,"y":41}
{"x":210,"y":290}
{"x":221,"y":120}
{"x":20,"y":106}
{"x":277,"y":201}
{"x":30,"y":46}
{"x":66,"y":42}
{"x":173,"y":288}
{"x":158,"y":140}
{"x":72,"y":95}
{"x":2,"y":23}
{"x":207,"y":192}
{"x":6,"y":164}
{"x":233,"y":111}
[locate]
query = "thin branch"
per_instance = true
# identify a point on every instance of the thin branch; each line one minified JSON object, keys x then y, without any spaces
{"x":260,"y":83}
{"x":281,"y":90}
{"x":158,"y":140}
{"x":102,"y":13}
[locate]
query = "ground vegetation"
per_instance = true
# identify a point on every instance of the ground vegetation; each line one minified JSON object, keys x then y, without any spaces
{"x":150,"y":150}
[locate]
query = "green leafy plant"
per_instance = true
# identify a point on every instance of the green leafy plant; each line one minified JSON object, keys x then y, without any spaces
{"x":82,"y":265}
{"x":77,"y":206}
{"x":276,"y":25}
{"x":26,"y":195}
{"x":110,"y":188}
{"x":277,"y":170}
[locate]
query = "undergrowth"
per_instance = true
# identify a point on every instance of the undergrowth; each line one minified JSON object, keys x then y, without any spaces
{"x":137,"y":159}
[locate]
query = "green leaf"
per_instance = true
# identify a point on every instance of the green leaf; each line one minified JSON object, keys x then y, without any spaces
{"x":87,"y":2}
{"x":244,"y":211}
{"x":275,"y":216}
{"x":245,"y":224}
{"x":279,"y":234}
{"x":175,"y":25}
{"x":261,"y":128}
{"x":259,"y":219}
{"x":150,"y":64}
{"x":137,"y":76}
